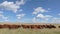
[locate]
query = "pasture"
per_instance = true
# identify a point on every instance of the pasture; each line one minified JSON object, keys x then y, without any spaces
{"x":31,"y":31}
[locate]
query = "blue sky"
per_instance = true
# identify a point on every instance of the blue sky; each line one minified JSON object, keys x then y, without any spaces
{"x":30,"y":11}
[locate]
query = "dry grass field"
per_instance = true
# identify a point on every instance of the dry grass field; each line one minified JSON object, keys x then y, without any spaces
{"x":31,"y":31}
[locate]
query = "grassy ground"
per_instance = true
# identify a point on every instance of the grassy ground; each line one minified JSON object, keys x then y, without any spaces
{"x":30,"y":31}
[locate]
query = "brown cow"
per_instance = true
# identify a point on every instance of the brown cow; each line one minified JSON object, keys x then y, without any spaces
{"x":35,"y":27}
{"x":50,"y":26}
{"x":32,"y":26}
{"x":1,"y":26}
{"x":25,"y":26}
{"x":38,"y":26}
{"x":14,"y":26}
{"x":5,"y":25}
{"x":58,"y":26}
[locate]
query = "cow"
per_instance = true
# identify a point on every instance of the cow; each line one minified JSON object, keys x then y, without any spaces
{"x":58,"y":26}
{"x":38,"y":26}
{"x":14,"y":26}
{"x":5,"y":25}
{"x":25,"y":26}
{"x":50,"y":26}
{"x":1,"y":26}
{"x":32,"y":26}
{"x":35,"y":27}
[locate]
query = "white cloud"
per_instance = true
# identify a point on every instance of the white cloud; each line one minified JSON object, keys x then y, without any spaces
{"x":1,"y":15}
{"x":20,"y":10}
{"x":39,"y":9}
{"x":55,"y":20}
{"x":22,"y":2}
{"x":46,"y":17}
{"x":19,"y":16}
{"x":11,"y":5}
{"x":34,"y":19}
{"x":1,"y":12}
{"x":59,"y":14}
{"x":35,"y":12}
{"x":49,"y":9}
{"x":5,"y":18}
{"x":38,"y":12}
{"x":40,"y":15}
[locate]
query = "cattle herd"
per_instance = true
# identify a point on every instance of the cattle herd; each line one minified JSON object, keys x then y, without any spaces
{"x":14,"y":26}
